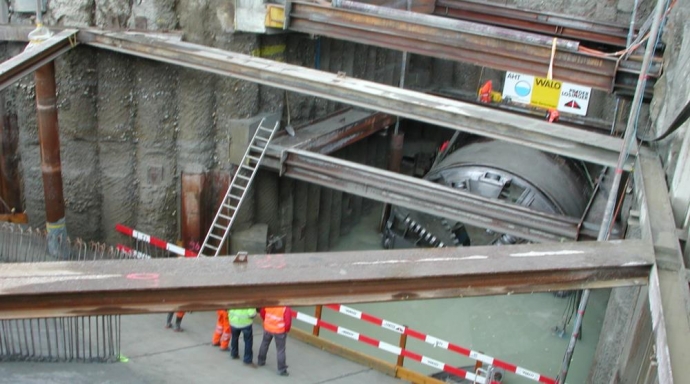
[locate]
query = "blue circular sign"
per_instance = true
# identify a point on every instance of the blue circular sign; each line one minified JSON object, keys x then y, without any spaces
{"x":523,"y":88}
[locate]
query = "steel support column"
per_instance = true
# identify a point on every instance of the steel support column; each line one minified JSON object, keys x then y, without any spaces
{"x":163,"y":285}
{"x":51,"y":167}
{"x":578,"y":144}
{"x":669,"y":296}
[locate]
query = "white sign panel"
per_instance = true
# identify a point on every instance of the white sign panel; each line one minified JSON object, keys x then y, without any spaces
{"x":574,"y":99}
{"x":518,"y":87}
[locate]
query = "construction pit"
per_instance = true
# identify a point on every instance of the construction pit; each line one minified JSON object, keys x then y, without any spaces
{"x":477,"y":171}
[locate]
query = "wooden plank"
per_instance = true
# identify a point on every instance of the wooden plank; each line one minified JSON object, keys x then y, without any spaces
{"x":17,"y":218}
{"x":415,"y":377}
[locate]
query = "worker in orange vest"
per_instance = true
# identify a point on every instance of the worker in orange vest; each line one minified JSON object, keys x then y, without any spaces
{"x":178,"y":321}
{"x":221,"y":336}
{"x":277,"y":324}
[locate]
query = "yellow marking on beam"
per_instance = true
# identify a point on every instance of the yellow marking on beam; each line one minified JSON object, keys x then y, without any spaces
{"x":269,"y":50}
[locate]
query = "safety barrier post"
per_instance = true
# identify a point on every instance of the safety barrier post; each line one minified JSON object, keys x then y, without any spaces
{"x":317,"y":314}
{"x":402,"y":344}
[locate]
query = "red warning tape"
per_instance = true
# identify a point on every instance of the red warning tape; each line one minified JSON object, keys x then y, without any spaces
{"x":156,"y":242}
{"x":390,"y":348}
{"x":441,"y":343}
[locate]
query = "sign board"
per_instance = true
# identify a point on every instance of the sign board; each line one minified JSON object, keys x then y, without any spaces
{"x":545,"y":93}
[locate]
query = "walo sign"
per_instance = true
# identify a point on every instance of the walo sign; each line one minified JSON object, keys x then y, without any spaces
{"x":545,"y":93}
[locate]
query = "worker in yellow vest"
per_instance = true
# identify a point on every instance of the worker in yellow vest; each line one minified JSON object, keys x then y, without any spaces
{"x":277,"y":324}
{"x":241,"y":321}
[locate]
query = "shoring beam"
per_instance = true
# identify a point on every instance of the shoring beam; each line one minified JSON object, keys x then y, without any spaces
{"x":162,"y":285}
{"x":538,"y":134}
{"x":458,"y":40}
{"x":669,"y":294}
{"x":428,"y":197}
{"x":330,"y":133}
{"x":552,"y":24}
{"x":28,"y":61}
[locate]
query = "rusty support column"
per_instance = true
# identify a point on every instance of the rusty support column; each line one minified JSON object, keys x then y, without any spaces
{"x":394,"y":163}
{"x":49,"y":139}
{"x":9,"y":159}
{"x":191,"y":211}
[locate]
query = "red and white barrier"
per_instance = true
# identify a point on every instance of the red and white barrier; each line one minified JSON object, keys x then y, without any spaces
{"x":441,"y":343}
{"x":132,"y":253}
{"x":156,"y":242}
{"x":389,"y":348}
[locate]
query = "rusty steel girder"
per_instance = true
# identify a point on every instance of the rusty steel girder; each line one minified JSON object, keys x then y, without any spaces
{"x":551,"y":24}
{"x":31,"y":290}
{"x":461,"y":41}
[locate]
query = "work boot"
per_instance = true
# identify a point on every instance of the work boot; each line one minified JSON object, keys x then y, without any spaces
{"x":284,"y":373}
{"x":178,"y":325}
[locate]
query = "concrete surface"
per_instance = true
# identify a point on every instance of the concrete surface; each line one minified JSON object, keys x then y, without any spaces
{"x":159,"y":355}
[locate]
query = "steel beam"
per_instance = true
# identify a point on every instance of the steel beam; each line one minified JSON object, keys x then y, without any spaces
{"x":329,"y":134}
{"x":162,"y":285}
{"x":425,"y":196}
{"x":28,"y":61}
{"x":669,"y":296}
{"x":562,"y":26}
{"x":458,"y":40}
{"x":578,"y":144}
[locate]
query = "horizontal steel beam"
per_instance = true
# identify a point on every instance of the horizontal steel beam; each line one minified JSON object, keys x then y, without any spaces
{"x":428,"y":197}
{"x":539,"y":134}
{"x":562,"y":26}
{"x":28,"y":61}
{"x":458,"y":40}
{"x":162,"y":285}
{"x":669,"y":294}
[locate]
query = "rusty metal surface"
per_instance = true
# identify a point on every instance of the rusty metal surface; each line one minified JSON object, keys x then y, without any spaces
{"x":26,"y":62}
{"x":10,"y":181}
{"x":457,"y":40}
{"x":49,"y":140}
{"x":191,"y":210}
{"x":563,"y":26}
{"x":425,"y":196}
{"x":161,"y":285}
{"x":331,"y":133}
{"x":669,"y":296}
{"x":538,"y":134}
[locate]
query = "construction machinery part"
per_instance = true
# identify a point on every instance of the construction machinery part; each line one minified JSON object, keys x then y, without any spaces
{"x":163,"y":285}
{"x":500,"y":172}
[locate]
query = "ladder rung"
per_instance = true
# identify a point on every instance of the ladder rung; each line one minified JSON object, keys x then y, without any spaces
{"x":262,"y":138}
{"x":248,"y":167}
{"x":215,"y":237}
{"x":254,"y":147}
{"x":210,"y":246}
{"x":257,"y":159}
{"x":229,"y":206}
{"x":234,"y":196}
{"x":265,"y":129}
{"x":239,"y":187}
{"x":243,"y":177}
{"x":225,"y":217}
{"x":216,"y":225}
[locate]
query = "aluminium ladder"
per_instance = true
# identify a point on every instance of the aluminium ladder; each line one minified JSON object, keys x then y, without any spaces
{"x":218,"y":233}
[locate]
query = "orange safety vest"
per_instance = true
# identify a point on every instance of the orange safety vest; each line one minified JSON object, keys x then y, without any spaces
{"x":273,"y":319}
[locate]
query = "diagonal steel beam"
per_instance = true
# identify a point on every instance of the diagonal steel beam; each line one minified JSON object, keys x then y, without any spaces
{"x":43,"y":53}
{"x":578,"y":144}
{"x":428,"y":197}
{"x":162,"y":285}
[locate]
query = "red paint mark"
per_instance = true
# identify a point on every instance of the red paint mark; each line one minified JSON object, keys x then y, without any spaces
{"x":142,"y":276}
{"x":271,"y":262}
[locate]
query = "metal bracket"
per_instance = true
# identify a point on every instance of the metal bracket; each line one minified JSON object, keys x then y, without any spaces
{"x":288,"y":9}
{"x":241,"y":257}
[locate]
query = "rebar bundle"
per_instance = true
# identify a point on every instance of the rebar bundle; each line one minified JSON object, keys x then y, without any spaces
{"x":75,"y":339}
